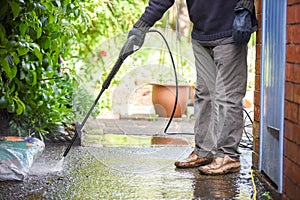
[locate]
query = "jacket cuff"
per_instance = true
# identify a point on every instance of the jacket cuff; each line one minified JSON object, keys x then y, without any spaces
{"x":140,"y":24}
{"x":248,"y":4}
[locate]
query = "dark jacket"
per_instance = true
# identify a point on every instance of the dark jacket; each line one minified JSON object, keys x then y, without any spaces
{"x":212,"y":19}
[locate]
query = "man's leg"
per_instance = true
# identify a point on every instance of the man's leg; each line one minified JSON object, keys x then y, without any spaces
{"x":205,"y":110}
{"x":205,"y":140}
{"x":231,"y":86}
{"x":231,"y":82}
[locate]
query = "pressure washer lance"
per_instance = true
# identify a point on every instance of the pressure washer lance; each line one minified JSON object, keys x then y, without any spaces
{"x":127,"y":50}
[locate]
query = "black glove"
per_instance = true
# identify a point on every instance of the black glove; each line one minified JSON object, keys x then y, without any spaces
{"x":242,"y":26}
{"x":135,"y":39}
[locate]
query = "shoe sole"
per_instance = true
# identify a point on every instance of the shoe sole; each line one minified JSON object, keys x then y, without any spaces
{"x":233,"y":170}
{"x":194,"y":166}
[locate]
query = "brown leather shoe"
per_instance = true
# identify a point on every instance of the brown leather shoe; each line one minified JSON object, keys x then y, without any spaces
{"x":193,"y":161}
{"x":221,"y":166}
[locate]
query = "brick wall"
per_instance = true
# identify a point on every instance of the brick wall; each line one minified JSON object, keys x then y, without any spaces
{"x":256,"y":124}
{"x":291,"y":167}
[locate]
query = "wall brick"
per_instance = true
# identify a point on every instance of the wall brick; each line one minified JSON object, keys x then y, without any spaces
{"x":296,"y":73}
{"x":293,"y":33}
{"x":289,"y":91}
{"x":258,"y":51}
{"x":293,"y":52}
{"x":257,"y":82}
{"x":292,"y":132}
{"x":293,"y":73}
{"x":297,"y":158}
{"x":291,"y":111}
{"x":259,"y":36}
{"x":293,"y":13}
{"x":299,"y":114}
{"x":259,"y":20}
{"x":290,"y":149}
{"x":289,"y":72}
{"x":296,"y":91}
{"x":291,"y":170}
{"x":255,"y":158}
{"x":288,"y":130}
{"x":255,"y":129}
{"x":257,"y":66}
{"x":256,"y":97}
{"x":256,"y":144}
{"x":256,"y":113}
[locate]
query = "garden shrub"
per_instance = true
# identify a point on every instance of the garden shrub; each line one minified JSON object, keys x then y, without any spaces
{"x":40,"y":42}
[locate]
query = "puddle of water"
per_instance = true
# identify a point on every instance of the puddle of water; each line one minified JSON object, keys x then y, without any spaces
{"x":121,"y":140}
{"x":137,"y":153}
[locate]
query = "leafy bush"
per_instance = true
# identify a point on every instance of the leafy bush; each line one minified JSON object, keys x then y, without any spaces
{"x":36,"y":85}
{"x":34,"y":36}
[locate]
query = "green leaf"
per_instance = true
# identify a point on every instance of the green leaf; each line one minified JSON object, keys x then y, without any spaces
{"x":12,"y":88}
{"x":38,"y":54}
{"x":15,"y":57}
{"x":15,"y":8}
{"x":45,"y":43}
{"x":13,"y":71}
{"x":34,"y":79}
{"x":55,"y":35}
{"x":51,"y":19}
{"x":23,"y":28}
{"x":5,"y":65}
{"x":39,"y":32}
{"x":20,"y":106}
{"x":22,"y":51}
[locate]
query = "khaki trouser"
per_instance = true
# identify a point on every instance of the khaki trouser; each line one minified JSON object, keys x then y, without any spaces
{"x":220,"y":89}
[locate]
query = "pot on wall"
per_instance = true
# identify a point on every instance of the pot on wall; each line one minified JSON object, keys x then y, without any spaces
{"x":163,"y":99}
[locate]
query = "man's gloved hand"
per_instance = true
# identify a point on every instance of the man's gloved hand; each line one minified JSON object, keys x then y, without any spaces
{"x":242,"y":26}
{"x":135,"y":39}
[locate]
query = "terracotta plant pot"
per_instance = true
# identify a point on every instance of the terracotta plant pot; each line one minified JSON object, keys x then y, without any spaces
{"x":163,"y":99}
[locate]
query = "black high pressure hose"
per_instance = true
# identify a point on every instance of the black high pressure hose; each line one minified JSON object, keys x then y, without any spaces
{"x":115,"y":69}
{"x":175,"y":76}
{"x":123,"y":55}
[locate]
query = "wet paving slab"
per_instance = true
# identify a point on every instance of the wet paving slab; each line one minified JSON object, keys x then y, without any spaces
{"x":139,"y":165}
{"x":130,"y":167}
